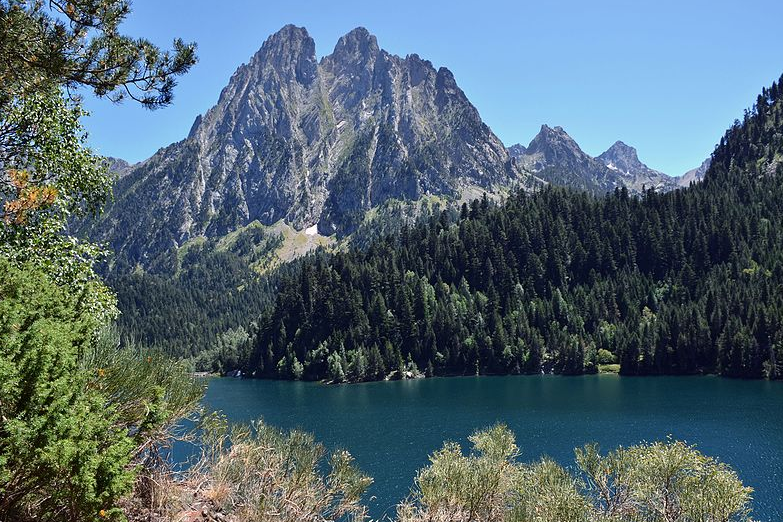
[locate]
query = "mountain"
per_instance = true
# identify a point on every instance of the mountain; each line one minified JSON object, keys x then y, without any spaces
{"x":517,"y":151}
{"x":314,"y":144}
{"x":694,"y":175}
{"x":634,"y":174}
{"x":118,"y":166}
{"x":555,"y":157}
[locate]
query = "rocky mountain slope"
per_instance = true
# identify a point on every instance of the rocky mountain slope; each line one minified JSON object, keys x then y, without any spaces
{"x":313,"y":143}
{"x":694,"y":175}
{"x":117,"y":166}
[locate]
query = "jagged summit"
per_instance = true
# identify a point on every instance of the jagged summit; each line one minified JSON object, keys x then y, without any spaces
{"x":312,"y":143}
{"x":290,"y":49}
{"x":517,"y":150}
{"x":623,"y":156}
{"x":358,"y":42}
{"x":554,"y":156}
{"x":623,"y":159}
{"x":553,"y":142}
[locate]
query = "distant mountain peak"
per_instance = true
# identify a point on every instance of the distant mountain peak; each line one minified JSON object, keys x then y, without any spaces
{"x":624,"y":160}
{"x":552,"y":142}
{"x":554,"y":156}
{"x":517,"y":150}
{"x":622,"y":157}
{"x":622,"y":149}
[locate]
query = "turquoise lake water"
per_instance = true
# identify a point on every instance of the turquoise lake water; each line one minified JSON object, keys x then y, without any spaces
{"x":391,"y":427}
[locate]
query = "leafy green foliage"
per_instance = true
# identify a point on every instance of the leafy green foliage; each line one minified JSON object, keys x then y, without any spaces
{"x":149,"y":392}
{"x":474,"y":487}
{"x":48,"y":179}
{"x":77,"y":412}
{"x":69,"y":431}
{"x":662,"y":481}
{"x":63,"y":455}
{"x":47,"y":174}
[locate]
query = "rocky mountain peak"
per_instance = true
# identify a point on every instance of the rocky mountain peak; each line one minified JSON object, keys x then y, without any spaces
{"x":291,"y":49}
{"x":553,"y":142}
{"x":622,"y":156}
{"x":359,"y":45}
{"x":624,"y":161}
{"x":555,"y":157}
{"x":311,"y":144}
{"x":517,"y":150}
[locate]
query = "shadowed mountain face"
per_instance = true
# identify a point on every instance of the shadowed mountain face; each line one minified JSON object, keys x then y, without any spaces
{"x":313,"y":143}
{"x":555,"y":157}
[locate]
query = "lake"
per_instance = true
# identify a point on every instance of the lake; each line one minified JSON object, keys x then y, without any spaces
{"x":391,"y":427}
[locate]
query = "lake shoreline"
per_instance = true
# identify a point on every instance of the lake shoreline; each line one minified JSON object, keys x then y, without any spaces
{"x":491,"y":375}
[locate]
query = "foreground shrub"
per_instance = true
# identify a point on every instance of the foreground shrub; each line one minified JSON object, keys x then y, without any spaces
{"x":150,"y":394}
{"x":62,"y":454}
{"x":658,"y":482}
{"x":260,"y":473}
{"x":79,"y":417}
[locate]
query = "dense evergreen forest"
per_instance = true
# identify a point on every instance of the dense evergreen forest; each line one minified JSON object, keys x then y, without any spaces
{"x":202,"y":294}
{"x":557,"y":281}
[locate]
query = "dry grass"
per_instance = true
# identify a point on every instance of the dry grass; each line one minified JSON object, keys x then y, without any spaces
{"x":252,"y":475}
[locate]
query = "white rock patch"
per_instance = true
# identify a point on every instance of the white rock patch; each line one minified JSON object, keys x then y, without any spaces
{"x":312,"y":231}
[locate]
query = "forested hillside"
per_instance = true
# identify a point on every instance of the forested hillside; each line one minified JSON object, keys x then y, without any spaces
{"x":210,"y":286}
{"x":557,"y":281}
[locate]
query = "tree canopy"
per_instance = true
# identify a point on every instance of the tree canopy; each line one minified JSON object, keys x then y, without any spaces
{"x":49,"y":51}
{"x":77,"y":44}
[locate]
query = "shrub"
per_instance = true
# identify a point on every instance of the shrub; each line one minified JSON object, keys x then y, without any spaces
{"x":605,"y":357}
{"x":258,"y":473}
{"x":659,"y":482}
{"x":62,"y":455}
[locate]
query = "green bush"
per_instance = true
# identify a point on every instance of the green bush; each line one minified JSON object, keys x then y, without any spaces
{"x":605,"y":357}
{"x":149,"y":393}
{"x":62,"y":456}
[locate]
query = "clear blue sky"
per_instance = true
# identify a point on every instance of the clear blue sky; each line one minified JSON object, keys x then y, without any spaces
{"x":665,"y":76}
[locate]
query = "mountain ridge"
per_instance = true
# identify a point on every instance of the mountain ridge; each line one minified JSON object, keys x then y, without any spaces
{"x":309,"y":142}
{"x":557,"y":158}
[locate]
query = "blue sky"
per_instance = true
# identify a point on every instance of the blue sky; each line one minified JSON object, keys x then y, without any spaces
{"x":667,"y":77}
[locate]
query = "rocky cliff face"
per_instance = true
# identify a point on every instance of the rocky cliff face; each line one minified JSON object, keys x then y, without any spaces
{"x":313,"y":143}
